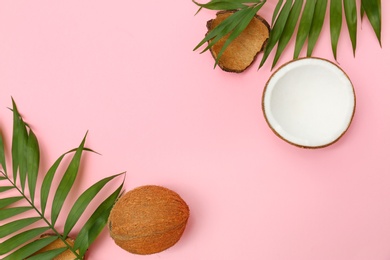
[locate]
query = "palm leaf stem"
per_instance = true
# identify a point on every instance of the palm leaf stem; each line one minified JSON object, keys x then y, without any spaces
{"x":68,"y":246}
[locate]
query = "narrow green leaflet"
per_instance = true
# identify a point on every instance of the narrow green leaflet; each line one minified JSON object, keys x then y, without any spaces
{"x":15,"y":140}
{"x":277,"y":30}
{"x":47,"y":181}
{"x":249,"y":14}
{"x":288,"y":29}
{"x":221,"y":5}
{"x":32,"y":163}
{"x":8,"y":201}
{"x":19,"y":143}
{"x":96,"y":222}
{"x":5,"y":188}
{"x":350,"y":11}
{"x":222,"y":29}
{"x":21,"y":238}
{"x":2,"y":155}
{"x":335,"y":24}
{"x":9,"y":228}
{"x":22,"y":149}
{"x":373,"y":10}
{"x":82,"y":202}
{"x":48,"y":255}
{"x":66,"y":183}
{"x":276,"y":11}
{"x":304,"y":26}
{"x":30,"y":248}
{"x":316,"y":26}
{"x":225,"y":4}
{"x":11,"y":212}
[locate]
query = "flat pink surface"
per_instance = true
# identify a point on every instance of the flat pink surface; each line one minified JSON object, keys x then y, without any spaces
{"x":125,"y":71}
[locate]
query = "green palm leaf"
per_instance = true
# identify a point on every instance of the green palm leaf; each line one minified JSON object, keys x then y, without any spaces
{"x":16,"y":225}
{"x":82,"y":202}
{"x":47,"y":182}
{"x":48,"y":179}
{"x":316,"y":26}
{"x":31,"y":248}
{"x":222,"y":29}
{"x":25,"y":168}
{"x":350,"y":11}
{"x":288,"y":29}
{"x":335,"y":24}
{"x":9,"y":201}
{"x":19,"y":143}
{"x":5,"y":188}
{"x":276,"y":11}
{"x":285,"y":20}
{"x":2,"y":156}
{"x":21,"y":238}
{"x":232,"y":26}
{"x":48,"y":255}
{"x":373,"y":10}
{"x":11,"y":212}
{"x":277,"y":30}
{"x":221,"y":5}
{"x":248,"y":14}
{"x":304,"y":26}
{"x":66,"y":183}
{"x":32,"y":163}
{"x":224,"y":4}
{"x":96,"y":222}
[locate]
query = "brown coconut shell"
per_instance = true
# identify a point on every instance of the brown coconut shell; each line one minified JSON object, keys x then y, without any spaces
{"x":243,"y":50}
{"x":58,"y":243}
{"x":148,"y":220}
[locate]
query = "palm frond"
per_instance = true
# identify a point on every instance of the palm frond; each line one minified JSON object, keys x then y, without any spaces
{"x":316,"y":26}
{"x":31,"y":248}
{"x":304,"y":26}
{"x":66,"y":182}
{"x":350,"y":11}
{"x":308,"y":16}
{"x":335,"y":24}
{"x":277,"y":30}
{"x":373,"y":10}
{"x":22,"y":236}
{"x":289,"y":29}
{"x":94,"y":225}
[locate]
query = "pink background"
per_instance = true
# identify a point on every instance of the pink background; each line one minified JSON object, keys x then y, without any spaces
{"x":125,"y":71}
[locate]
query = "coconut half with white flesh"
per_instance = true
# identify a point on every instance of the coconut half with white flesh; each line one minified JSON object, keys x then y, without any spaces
{"x":309,"y":102}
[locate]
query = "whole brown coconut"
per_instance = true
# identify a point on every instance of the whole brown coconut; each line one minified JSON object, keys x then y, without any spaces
{"x":148,"y":220}
{"x":243,"y":50}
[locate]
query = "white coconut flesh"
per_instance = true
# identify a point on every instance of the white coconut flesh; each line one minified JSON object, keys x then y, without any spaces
{"x":309,"y":102}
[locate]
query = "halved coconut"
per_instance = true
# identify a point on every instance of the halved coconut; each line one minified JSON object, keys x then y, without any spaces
{"x":309,"y":102}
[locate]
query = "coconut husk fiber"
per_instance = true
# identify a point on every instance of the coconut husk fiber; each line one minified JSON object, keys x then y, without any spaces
{"x":148,"y":220}
{"x":243,"y":50}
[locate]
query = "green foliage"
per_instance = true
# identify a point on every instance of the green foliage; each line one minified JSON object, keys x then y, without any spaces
{"x":21,"y":237}
{"x":308,"y":16}
{"x":233,"y":25}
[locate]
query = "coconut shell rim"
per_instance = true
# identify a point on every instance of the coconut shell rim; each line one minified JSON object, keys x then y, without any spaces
{"x":304,"y":146}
